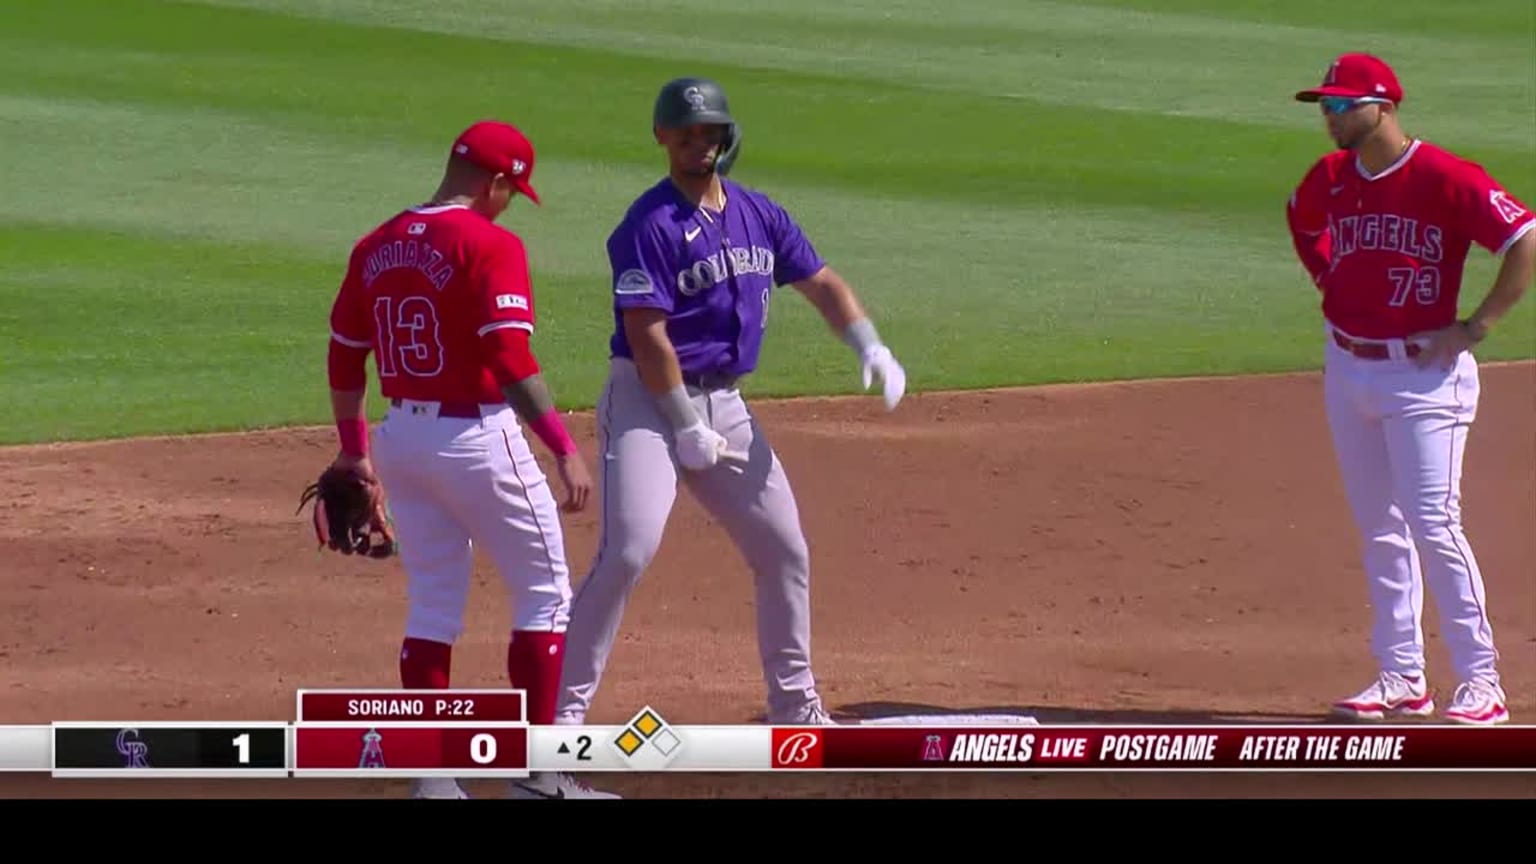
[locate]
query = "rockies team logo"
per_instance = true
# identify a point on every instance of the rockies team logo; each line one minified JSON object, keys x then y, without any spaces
{"x":373,"y":752}
{"x":135,"y":753}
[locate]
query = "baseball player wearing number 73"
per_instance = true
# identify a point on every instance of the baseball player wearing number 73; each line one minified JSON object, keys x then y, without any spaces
{"x":1383,"y":225}
{"x":694,"y":262}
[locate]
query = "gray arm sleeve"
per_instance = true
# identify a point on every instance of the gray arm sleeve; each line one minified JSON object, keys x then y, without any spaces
{"x":861,"y":336}
{"x":678,"y":408}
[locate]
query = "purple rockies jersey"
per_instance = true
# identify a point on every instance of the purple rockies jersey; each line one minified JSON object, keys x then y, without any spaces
{"x":711,"y":273}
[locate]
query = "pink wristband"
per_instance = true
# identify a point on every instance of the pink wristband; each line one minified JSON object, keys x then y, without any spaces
{"x":552,"y":432}
{"x":354,"y":436}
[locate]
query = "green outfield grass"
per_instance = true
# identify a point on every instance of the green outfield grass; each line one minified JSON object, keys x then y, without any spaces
{"x":1024,"y":192}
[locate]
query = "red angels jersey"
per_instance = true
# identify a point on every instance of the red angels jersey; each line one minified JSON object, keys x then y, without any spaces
{"x":422,"y":290}
{"x":1388,"y":251}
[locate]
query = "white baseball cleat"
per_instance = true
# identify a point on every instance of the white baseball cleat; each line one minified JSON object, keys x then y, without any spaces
{"x":1478,"y":703}
{"x":555,"y":786}
{"x":810,"y":714}
{"x":437,"y":787}
{"x":1390,"y":694}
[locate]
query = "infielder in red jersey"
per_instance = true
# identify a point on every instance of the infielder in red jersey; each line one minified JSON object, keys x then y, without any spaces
{"x":1383,"y":224}
{"x":441,"y":295}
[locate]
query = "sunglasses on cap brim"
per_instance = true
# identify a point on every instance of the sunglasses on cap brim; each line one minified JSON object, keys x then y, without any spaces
{"x":1343,"y":104}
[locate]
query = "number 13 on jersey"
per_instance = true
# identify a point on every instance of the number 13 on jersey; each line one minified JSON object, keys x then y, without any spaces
{"x":409,"y":337}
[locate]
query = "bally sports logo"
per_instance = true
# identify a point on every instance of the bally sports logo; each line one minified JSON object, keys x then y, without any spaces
{"x":797,"y":748}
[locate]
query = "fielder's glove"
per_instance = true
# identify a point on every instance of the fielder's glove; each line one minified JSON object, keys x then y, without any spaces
{"x":348,"y":512}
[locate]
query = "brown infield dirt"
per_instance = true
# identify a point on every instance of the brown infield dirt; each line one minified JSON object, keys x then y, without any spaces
{"x":1131,"y":552}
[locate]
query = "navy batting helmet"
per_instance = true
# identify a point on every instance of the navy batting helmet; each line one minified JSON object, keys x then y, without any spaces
{"x":686,"y":101}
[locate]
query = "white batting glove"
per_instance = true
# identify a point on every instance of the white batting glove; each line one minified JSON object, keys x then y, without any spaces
{"x":700,"y":448}
{"x":879,"y":361}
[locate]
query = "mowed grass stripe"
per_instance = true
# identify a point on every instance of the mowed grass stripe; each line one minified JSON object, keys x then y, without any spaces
{"x":160,"y":334}
{"x":1100,"y":293}
{"x":397,"y":86}
{"x":969,"y":304}
{"x":150,"y":334}
{"x":1495,"y":22}
{"x":255,"y":148}
{"x":1191,"y":60}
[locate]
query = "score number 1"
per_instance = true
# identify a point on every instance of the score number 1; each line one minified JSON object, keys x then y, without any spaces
{"x":242,"y":744}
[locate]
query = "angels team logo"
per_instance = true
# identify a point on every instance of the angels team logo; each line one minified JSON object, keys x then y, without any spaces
{"x":933,"y":749}
{"x":1507,"y":209}
{"x":135,"y":753}
{"x":373,"y":753}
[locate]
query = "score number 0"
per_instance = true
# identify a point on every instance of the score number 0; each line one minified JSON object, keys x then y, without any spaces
{"x":482,"y":748}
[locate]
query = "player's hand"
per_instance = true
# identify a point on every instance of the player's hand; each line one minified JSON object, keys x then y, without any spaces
{"x":700,"y":448}
{"x":1443,"y":346}
{"x":880,"y":362}
{"x":577,"y":480}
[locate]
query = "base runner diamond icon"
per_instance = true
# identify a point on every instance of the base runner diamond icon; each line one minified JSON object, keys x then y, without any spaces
{"x":647,"y":742}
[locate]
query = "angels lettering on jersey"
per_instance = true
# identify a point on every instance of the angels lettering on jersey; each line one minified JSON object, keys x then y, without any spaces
{"x":422,"y":291}
{"x":1388,"y":250}
{"x":712,"y":273}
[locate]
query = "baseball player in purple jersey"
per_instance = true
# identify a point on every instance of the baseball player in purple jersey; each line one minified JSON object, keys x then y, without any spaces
{"x":695,"y":261}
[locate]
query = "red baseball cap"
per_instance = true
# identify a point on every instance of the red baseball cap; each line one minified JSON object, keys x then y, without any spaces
{"x":502,"y":148}
{"x":1356,"y":76}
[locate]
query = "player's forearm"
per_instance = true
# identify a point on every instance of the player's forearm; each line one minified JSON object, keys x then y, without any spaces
{"x":834,"y":299}
{"x":1515,"y":275}
{"x":656,"y":360}
{"x":347,"y":371}
{"x":348,"y":404}
{"x":531,"y":400}
{"x":1310,"y":238}
{"x":507,"y":353}
{"x":351,"y":422}
{"x":840,"y":308}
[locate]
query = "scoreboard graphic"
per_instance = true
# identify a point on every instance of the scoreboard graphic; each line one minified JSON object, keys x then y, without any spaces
{"x":170,"y":749}
{"x":485,"y":733}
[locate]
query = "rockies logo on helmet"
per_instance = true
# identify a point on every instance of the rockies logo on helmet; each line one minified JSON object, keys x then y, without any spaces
{"x":686,"y":101}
